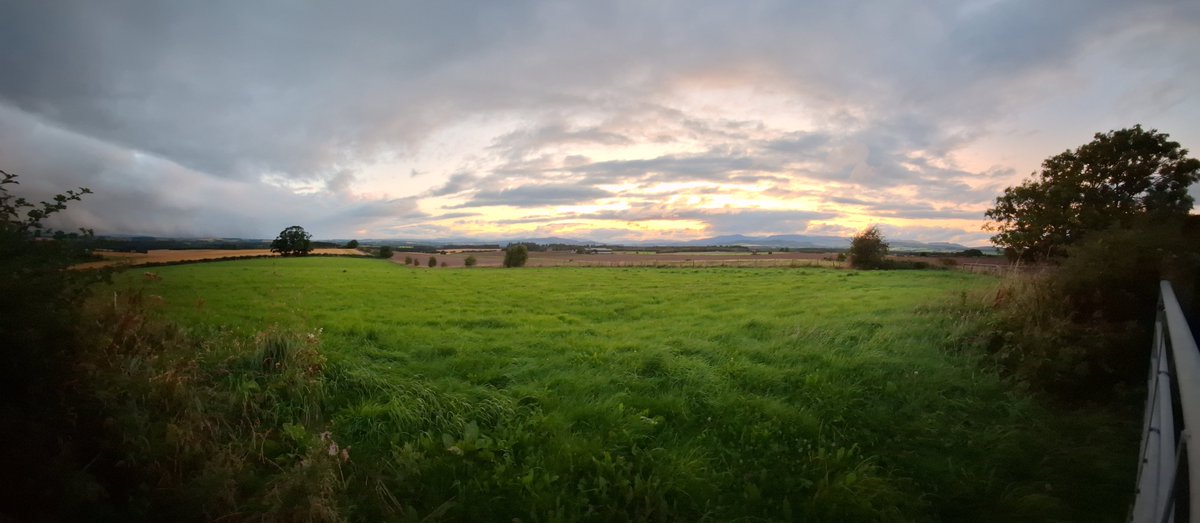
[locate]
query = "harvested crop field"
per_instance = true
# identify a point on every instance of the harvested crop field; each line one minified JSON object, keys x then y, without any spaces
{"x":166,"y":256}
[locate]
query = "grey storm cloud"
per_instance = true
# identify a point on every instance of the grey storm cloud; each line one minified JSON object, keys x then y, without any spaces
{"x":536,"y":196}
{"x":176,"y":113}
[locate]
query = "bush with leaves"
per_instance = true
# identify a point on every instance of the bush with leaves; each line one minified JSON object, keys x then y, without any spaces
{"x":40,"y":324}
{"x":432,"y":261}
{"x":470,"y":261}
{"x":1083,"y":327}
{"x":516,"y":255}
{"x":386,"y":252}
{"x":868,"y":250}
{"x":38,"y":312}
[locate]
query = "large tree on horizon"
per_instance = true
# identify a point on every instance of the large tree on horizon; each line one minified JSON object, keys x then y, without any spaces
{"x":292,"y":241}
{"x":1119,"y":179}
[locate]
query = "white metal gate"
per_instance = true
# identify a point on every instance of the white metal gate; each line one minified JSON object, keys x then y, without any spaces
{"x":1168,"y":484}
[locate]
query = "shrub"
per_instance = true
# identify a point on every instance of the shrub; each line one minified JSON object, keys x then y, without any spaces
{"x":40,"y":295}
{"x":516,"y":255}
{"x":470,"y":261}
{"x":432,"y":261}
{"x":868,"y":249}
{"x":386,"y":252}
{"x":1082,"y":328}
{"x":352,"y":244}
{"x":190,"y":415}
{"x":445,"y":264}
{"x":39,"y":326}
{"x":904,"y":265}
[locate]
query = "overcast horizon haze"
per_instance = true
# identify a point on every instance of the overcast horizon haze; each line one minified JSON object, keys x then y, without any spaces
{"x":610,"y":121}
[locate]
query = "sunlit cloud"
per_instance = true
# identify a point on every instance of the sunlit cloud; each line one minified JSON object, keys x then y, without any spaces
{"x":604,"y":121}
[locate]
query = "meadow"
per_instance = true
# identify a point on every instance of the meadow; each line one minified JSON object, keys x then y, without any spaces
{"x":663,"y":394}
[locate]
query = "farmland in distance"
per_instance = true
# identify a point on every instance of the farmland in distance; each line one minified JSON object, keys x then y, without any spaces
{"x":170,"y":256}
{"x":679,"y":394}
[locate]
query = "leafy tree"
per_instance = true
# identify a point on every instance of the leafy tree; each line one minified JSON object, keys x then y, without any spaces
{"x":516,"y":255}
{"x":386,"y":252}
{"x":432,"y":261}
{"x":292,"y":241}
{"x":868,"y":249}
{"x":1119,"y":179}
{"x":352,"y":244}
{"x":470,"y":261}
{"x":408,"y":260}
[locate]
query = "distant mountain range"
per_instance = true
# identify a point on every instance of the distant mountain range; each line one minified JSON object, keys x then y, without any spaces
{"x":792,"y":241}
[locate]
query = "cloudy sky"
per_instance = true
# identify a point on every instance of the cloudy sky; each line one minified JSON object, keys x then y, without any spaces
{"x":603,"y":120}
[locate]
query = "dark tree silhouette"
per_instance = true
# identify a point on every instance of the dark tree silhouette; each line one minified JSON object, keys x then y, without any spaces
{"x":292,"y":241}
{"x":1119,"y":179}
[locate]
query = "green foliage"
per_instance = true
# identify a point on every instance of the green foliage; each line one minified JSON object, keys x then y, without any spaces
{"x":1082,"y":328}
{"x":203,"y":428}
{"x":470,"y":261}
{"x":432,"y":261}
{"x":408,"y":260}
{"x":352,"y":244}
{"x":1119,"y":179}
{"x":868,"y":250}
{"x":727,"y":394}
{"x":516,"y":255}
{"x":386,"y":252}
{"x":40,"y":294}
{"x":292,"y":241}
{"x":39,"y":328}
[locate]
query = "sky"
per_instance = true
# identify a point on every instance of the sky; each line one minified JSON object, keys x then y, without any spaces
{"x":609,"y":121}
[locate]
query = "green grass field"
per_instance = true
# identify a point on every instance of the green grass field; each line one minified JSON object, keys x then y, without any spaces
{"x":666,"y":394}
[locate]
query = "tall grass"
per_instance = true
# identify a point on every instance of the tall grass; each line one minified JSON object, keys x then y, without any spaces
{"x":208,"y":428}
{"x":595,"y":394}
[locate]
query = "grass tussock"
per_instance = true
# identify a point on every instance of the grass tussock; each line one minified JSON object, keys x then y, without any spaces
{"x":209,"y":428}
